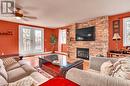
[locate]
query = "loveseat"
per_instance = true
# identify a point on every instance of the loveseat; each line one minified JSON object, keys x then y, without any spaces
{"x":12,"y":73}
{"x":93,"y":77}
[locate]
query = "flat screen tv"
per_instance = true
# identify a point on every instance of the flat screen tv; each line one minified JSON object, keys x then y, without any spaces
{"x":85,"y":34}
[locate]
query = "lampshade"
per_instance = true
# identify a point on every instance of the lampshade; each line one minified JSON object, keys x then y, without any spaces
{"x":116,"y":36}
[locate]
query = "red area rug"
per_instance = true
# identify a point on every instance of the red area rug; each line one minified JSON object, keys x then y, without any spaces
{"x":59,"y":81}
{"x":52,"y":66}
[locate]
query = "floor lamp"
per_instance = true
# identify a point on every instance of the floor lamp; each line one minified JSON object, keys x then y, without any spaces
{"x":117,"y":38}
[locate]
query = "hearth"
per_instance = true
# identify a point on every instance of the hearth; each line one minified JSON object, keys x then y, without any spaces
{"x":83,"y":53}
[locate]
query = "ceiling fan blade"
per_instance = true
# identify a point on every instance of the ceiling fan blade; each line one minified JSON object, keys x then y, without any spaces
{"x":25,"y":19}
{"x":18,"y":10}
{"x":31,"y":17}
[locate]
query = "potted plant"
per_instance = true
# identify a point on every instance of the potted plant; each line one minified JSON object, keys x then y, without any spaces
{"x":53,"y":41}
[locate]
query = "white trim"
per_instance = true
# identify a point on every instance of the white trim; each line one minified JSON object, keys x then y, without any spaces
{"x":60,"y":41}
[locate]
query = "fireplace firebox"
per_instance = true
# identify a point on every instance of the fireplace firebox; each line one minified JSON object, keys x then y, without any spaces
{"x":83,"y":53}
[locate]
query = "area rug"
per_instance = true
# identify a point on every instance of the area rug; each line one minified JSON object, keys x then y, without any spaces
{"x":59,"y":81}
{"x":44,"y":73}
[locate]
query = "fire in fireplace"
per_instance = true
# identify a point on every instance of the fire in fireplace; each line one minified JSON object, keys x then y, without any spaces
{"x":83,"y":53}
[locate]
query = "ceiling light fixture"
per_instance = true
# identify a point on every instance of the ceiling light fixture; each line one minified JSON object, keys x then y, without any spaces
{"x":18,"y":18}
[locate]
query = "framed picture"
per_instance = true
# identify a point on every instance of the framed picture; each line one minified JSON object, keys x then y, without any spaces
{"x":116,"y":26}
{"x":126,"y":31}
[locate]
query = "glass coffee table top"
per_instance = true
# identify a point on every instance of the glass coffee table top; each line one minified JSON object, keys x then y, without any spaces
{"x":59,"y":60}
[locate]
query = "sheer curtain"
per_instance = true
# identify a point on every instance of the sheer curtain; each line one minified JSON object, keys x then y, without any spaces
{"x":62,"y":39}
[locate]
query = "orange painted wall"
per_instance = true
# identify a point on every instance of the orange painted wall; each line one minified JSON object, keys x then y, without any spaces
{"x":47,"y":44}
{"x":48,"y":33}
{"x":112,"y":43}
{"x":9,"y":43}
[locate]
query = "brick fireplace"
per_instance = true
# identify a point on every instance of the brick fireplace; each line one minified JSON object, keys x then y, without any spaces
{"x":99,"y":46}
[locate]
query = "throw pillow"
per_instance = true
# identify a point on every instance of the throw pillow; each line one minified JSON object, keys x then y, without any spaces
{"x":8,"y":61}
{"x":122,"y":68}
{"x":106,"y":68}
{"x":27,"y":81}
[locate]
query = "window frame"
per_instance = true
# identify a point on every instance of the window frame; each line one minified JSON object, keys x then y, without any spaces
{"x":126,"y":30}
{"x":33,"y":50}
{"x":63,"y":39}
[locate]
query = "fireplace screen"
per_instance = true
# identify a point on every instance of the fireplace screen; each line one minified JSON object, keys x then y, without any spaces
{"x":83,"y":53}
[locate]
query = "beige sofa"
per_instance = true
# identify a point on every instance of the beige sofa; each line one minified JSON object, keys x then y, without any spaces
{"x":12,"y":73}
{"x":93,"y":77}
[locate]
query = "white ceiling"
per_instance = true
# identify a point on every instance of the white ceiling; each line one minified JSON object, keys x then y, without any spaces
{"x":57,"y":13}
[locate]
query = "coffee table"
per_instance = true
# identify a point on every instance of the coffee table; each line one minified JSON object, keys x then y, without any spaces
{"x":46,"y":63}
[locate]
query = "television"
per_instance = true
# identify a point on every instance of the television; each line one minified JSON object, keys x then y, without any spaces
{"x":85,"y":34}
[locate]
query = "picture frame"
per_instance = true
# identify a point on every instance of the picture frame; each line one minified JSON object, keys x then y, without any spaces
{"x":116,"y":26}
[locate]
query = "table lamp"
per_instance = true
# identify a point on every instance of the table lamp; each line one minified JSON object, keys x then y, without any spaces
{"x":117,"y":38}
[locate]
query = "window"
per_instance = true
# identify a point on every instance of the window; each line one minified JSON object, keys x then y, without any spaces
{"x":126,"y":32}
{"x":38,"y":39}
{"x":30,"y":40}
{"x":63,"y":36}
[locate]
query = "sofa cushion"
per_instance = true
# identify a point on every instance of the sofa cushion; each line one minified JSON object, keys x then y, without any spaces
{"x":16,"y":74}
{"x":8,"y":61}
{"x":29,"y":69}
{"x":39,"y":77}
{"x":3,"y":82}
{"x":84,"y":78}
{"x":3,"y":71}
{"x":26,"y":81}
{"x":96,"y":62}
{"x":107,"y":68}
{"x":122,"y":68}
{"x":24,"y":62}
{"x":12,"y":66}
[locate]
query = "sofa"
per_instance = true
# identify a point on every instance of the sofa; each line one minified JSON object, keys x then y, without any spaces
{"x":13,"y":73}
{"x":93,"y":77}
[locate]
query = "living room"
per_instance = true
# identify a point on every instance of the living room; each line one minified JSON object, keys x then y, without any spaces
{"x":55,"y":45}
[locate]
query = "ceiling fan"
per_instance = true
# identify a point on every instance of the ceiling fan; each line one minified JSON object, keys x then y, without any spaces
{"x":19,"y":14}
